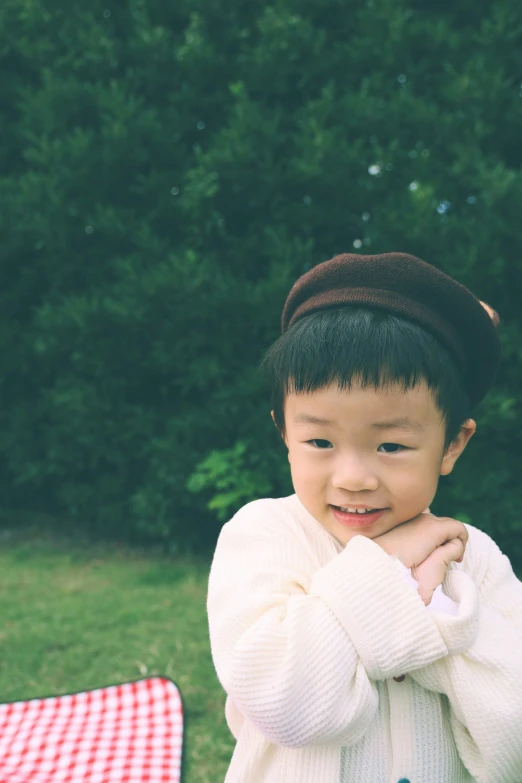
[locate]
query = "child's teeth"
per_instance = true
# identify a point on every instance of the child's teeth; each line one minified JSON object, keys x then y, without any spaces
{"x":355,"y":510}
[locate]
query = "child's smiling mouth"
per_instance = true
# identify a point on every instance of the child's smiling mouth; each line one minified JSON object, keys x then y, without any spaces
{"x":357,"y":516}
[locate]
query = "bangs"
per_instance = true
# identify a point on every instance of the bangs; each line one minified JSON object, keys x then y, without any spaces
{"x":369,"y":347}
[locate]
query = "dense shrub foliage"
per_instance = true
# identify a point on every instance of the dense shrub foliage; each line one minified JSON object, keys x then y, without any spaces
{"x":169,"y":168}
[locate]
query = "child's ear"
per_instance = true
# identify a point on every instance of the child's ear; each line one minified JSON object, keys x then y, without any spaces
{"x":277,"y":428}
{"x":457,"y":446}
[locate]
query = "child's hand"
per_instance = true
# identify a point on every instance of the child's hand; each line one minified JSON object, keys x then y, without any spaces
{"x":414,"y":541}
{"x":430,"y":574}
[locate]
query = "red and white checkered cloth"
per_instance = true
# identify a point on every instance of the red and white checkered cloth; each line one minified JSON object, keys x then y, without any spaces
{"x":131,"y":733}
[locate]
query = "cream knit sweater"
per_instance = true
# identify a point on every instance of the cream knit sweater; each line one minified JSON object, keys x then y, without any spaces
{"x":307,"y":636}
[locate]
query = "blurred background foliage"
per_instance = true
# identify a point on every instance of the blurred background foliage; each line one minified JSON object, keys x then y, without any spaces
{"x":168,"y":169}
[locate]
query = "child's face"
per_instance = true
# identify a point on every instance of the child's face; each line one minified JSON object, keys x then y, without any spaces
{"x":351,"y":459}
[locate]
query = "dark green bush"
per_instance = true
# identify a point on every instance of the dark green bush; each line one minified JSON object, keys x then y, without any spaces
{"x":169,"y":169}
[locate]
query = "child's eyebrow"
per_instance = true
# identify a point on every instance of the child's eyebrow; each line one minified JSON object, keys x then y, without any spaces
{"x":305,"y":418}
{"x":404,"y":423}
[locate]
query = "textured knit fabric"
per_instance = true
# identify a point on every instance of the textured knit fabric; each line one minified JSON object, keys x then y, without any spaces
{"x":409,"y":287}
{"x":307,"y":636}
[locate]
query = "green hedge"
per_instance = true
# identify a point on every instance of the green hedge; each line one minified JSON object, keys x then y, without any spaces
{"x":168,"y":170}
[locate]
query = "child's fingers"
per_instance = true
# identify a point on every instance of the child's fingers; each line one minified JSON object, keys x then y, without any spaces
{"x":455,"y":546}
{"x":447,"y":526}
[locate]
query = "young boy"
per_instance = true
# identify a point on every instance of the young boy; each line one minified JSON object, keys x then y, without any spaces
{"x":359,"y":638}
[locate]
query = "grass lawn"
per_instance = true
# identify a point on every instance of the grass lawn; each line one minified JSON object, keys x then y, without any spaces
{"x":76,"y":616}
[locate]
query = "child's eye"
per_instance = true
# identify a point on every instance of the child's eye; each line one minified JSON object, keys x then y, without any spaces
{"x":319,"y":443}
{"x":394,"y":446}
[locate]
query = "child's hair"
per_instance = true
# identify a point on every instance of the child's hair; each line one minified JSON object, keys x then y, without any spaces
{"x":372,"y":346}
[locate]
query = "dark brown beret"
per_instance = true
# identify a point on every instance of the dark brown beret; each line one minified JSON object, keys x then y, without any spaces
{"x":405,"y":285}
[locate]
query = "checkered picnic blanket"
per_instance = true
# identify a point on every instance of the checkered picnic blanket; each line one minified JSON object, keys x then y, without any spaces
{"x":130,"y":733}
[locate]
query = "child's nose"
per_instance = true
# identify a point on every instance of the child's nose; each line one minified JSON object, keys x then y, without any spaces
{"x":352,"y":473}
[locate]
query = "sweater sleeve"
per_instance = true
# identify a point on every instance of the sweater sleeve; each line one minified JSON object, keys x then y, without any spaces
{"x":483,"y":680}
{"x":296,"y":646}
